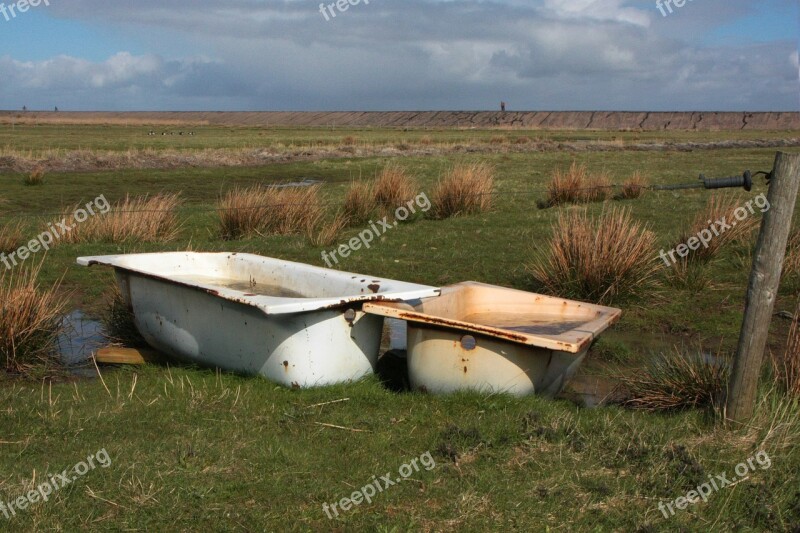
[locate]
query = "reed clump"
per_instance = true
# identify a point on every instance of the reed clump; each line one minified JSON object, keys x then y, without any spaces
{"x":274,"y":210}
{"x":35,"y":177}
{"x":577,"y":185}
{"x":465,"y":189}
{"x":786,"y":369}
{"x":598,"y":259}
{"x":359,"y":202}
{"x":709,"y":223}
{"x":677,"y":381}
{"x":635,"y":187}
{"x":133,"y":219}
{"x":31,"y":319}
{"x":393,"y":187}
{"x":12,"y":236}
{"x":791,"y":263}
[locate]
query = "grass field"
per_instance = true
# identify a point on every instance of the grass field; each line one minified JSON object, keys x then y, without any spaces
{"x":194,"y":448}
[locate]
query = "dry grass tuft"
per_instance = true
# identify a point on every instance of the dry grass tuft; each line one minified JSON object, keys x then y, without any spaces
{"x":787,"y":370}
{"x":791,"y":263}
{"x":327,"y":232}
{"x":350,"y":141}
{"x":597,"y":259}
{"x":465,"y":189}
{"x":11,"y":237}
{"x":35,"y":177}
{"x":694,"y":277}
{"x":677,"y":381}
{"x":566,"y":187}
{"x":577,"y":185}
{"x":269,"y":211}
{"x":30,"y":320}
{"x":498,"y":139}
{"x":599,"y":190}
{"x":359,"y":202}
{"x":118,"y":321}
{"x":394,"y":187}
{"x":139,"y":219}
{"x":635,"y":187}
{"x":718,"y":207}
{"x":522,"y":140}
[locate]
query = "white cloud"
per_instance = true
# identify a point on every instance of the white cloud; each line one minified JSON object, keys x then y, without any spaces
{"x":281,"y":54}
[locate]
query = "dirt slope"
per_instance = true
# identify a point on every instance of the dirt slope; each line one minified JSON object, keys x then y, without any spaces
{"x":565,"y":120}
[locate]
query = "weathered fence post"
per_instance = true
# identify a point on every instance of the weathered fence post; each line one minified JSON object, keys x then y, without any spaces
{"x":763,"y":287}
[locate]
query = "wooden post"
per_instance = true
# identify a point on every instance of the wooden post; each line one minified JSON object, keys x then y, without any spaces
{"x":763,"y":287}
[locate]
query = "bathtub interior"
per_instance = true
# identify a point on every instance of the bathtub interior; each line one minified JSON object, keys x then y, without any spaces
{"x":508,"y":314}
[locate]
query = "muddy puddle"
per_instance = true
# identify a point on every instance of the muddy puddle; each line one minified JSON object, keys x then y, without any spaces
{"x":306,"y":182}
{"x":82,"y":337}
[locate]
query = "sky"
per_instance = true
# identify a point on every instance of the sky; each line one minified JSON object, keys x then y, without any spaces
{"x":411,"y":55}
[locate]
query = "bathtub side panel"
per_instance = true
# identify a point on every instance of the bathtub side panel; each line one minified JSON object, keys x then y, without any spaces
{"x":301,"y":350}
{"x":438,"y":362}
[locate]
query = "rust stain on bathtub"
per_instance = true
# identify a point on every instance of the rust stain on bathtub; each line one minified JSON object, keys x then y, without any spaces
{"x":436,"y":321}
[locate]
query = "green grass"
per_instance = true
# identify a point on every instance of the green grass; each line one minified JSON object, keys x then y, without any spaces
{"x":191,"y":447}
{"x":43,"y":137}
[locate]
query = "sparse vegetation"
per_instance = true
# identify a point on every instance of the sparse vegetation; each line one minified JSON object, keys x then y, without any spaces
{"x":464,"y":190}
{"x":262,"y":210}
{"x":30,"y":320}
{"x":134,"y":219}
{"x":599,"y":259}
{"x":678,"y":380}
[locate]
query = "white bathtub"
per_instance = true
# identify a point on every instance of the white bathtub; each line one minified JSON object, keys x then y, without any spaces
{"x":296,"y":324}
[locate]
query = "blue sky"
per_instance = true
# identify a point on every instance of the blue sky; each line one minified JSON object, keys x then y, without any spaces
{"x":409,"y":55}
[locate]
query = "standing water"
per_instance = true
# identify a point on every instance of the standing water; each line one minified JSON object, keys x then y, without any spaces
{"x":80,"y":339}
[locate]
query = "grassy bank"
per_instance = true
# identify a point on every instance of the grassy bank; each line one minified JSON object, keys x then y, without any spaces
{"x":191,"y":446}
